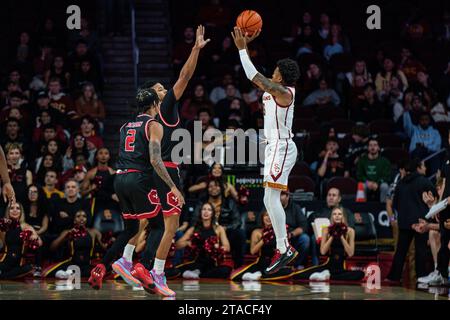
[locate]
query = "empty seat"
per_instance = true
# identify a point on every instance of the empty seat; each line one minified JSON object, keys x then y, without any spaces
{"x":328,"y":113}
{"x":381,"y":126}
{"x":395,"y":155}
{"x":301,"y":125}
{"x":302,"y":183}
{"x":301,"y":169}
{"x":342,"y":125}
{"x":347,"y":186}
{"x":365,"y":231}
{"x":391,"y":140}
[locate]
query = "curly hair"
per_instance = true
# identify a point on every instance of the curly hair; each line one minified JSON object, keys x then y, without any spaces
{"x":146,"y":98}
{"x":289,"y":70}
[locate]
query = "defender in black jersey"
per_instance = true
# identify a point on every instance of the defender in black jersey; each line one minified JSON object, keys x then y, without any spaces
{"x":134,"y":187}
{"x":170,"y":202}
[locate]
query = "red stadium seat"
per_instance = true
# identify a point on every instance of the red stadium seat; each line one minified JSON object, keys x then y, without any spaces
{"x":381,"y":126}
{"x":303,"y":183}
{"x":342,"y":125}
{"x":391,"y":140}
{"x":328,"y":113}
{"x":347,"y":186}
{"x":395,"y":155}
{"x":301,"y":169}
{"x":307,"y":125}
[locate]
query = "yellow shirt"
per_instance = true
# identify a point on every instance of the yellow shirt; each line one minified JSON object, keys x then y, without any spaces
{"x":49,"y":194}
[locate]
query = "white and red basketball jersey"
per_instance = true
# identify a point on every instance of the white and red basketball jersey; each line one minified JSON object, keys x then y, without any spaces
{"x":278,"y":118}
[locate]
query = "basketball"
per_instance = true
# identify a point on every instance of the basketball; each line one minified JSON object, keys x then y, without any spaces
{"x":249,"y":21}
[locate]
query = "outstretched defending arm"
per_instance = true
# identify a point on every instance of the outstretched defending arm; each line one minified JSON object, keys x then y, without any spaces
{"x":8,"y":190}
{"x":154,"y":146}
{"x":189,"y":67}
{"x":277,"y":90}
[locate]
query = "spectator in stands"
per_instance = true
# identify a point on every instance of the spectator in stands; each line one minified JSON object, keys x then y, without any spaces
{"x":99,"y":183}
{"x":409,"y":65}
{"x":374,"y":171}
{"x":206,"y":228}
{"x":52,"y":147}
{"x":86,"y":74}
{"x":219,"y":92}
{"x":228,"y":216}
{"x":63,"y":210}
{"x":45,"y":121}
{"x":78,"y":146}
{"x":333,"y":200}
{"x":19,"y":175}
{"x":337,"y":43}
{"x":60,"y":102}
{"x":393,"y":92}
{"x":58,"y":70}
{"x":48,"y":162}
{"x":359,"y":69}
{"x":50,"y":183}
{"x":88,"y":104}
{"x":86,"y":34}
{"x":222,"y":107}
{"x":37,"y":209}
{"x":183,"y":48}
{"x":405,"y":104}
{"x":87,"y":129}
{"x":49,"y":132}
{"x":82,"y":53}
{"x":425,"y":140}
{"x":312,"y":78}
{"x":383,"y":78}
{"x":13,"y":135}
{"x":322,"y":96}
{"x":215,"y":173}
{"x":199,"y":101}
{"x":307,"y":41}
{"x":410,"y":207}
{"x":332,"y":164}
{"x":43,"y":61}
{"x":369,"y":108}
{"x":297,"y":227}
{"x":324,"y":27}
{"x":358,"y":145}
{"x":23,"y":55}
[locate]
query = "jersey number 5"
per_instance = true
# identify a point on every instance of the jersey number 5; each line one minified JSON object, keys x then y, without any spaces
{"x":129,"y":140}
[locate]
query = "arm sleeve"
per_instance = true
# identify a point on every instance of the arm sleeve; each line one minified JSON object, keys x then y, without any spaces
{"x":249,"y":68}
{"x":169,"y":109}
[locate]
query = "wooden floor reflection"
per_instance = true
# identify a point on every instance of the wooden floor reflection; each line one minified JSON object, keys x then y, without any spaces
{"x":212,"y":289}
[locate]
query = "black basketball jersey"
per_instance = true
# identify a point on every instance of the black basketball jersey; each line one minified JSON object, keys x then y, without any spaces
{"x":169,"y":118}
{"x":133,"y":148}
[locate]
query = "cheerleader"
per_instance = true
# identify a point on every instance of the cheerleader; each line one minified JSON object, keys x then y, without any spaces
{"x":263,"y":243}
{"x":338,"y":242}
{"x":81,"y":241}
{"x":17,"y":237}
{"x":208,"y":241}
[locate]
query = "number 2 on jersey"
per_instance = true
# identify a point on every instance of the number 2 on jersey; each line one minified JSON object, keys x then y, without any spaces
{"x":129,"y":140}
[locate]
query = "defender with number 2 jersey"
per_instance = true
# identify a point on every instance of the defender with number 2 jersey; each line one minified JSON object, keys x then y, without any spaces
{"x":133,"y":184}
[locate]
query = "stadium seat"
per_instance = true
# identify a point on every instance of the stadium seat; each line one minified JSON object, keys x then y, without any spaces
{"x":307,"y":125}
{"x":365,"y":231}
{"x":328,"y":113}
{"x":391,"y":140}
{"x":342,"y":125}
{"x":347,"y":186}
{"x":395,"y":155}
{"x":301,"y":169}
{"x":302,"y":182}
{"x":381,"y":126}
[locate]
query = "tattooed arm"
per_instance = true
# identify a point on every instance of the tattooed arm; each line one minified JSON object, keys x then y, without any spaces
{"x":154,"y":146}
{"x":280,"y":92}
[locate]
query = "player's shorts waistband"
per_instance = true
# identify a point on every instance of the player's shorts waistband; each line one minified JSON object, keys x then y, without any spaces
{"x":169,"y":164}
{"x":125,"y":171}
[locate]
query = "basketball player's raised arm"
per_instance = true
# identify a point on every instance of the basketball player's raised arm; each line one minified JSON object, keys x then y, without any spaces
{"x":8,"y":190}
{"x":154,"y":146}
{"x":275,"y":89}
{"x":189,"y":67}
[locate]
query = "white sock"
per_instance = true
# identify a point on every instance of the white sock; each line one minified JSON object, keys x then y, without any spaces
{"x":158,"y":265}
{"x":128,"y":252}
{"x":277,"y":215}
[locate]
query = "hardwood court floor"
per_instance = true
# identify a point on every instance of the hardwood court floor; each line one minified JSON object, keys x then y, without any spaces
{"x":215,"y":290}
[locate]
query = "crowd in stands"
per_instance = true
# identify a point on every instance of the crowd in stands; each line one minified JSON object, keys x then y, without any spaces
{"x":356,"y":118}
